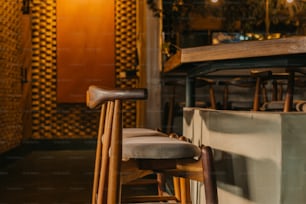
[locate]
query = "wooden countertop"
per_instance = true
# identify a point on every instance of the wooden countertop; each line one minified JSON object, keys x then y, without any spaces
{"x":242,"y":50}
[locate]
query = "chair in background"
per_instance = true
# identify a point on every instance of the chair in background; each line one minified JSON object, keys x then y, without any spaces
{"x":121,"y":160}
{"x":276,"y":102}
{"x":202,"y":81}
{"x":260,"y":90}
{"x":301,"y":106}
{"x":279,"y":80}
{"x":241,"y":82}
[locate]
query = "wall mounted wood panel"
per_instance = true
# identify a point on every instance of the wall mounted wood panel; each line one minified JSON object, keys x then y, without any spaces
{"x":85,"y":47}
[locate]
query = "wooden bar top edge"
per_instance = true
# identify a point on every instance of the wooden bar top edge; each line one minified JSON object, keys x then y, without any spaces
{"x":173,"y":62}
{"x":246,"y":49}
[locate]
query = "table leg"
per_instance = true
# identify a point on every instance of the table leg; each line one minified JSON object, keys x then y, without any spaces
{"x":190,"y":92}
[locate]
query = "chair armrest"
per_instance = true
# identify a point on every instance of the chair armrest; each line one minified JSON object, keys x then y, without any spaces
{"x":95,"y":96}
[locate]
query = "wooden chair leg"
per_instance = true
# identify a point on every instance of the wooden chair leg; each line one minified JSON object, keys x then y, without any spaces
{"x":256,"y":95}
{"x":177,"y":188}
{"x":260,"y":77}
{"x":103,"y":177}
{"x":113,"y":191}
{"x":185,"y":191}
{"x":210,"y":183}
{"x":98,"y":156}
{"x":274,"y":90}
{"x":264,"y":93}
{"x":225,"y":97}
{"x":289,"y":92}
{"x":160,"y":183}
{"x":212,"y":97}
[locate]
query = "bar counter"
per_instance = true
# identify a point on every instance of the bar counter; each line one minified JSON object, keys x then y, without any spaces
{"x":260,"y":156}
{"x":237,"y":59}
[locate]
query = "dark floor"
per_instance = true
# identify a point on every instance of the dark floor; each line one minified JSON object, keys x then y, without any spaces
{"x":60,"y":173}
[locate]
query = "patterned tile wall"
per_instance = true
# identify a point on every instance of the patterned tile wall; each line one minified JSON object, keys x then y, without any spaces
{"x":126,"y":61}
{"x":10,"y":77}
{"x":52,"y":120}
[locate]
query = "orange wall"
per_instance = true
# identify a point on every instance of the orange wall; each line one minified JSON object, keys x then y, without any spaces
{"x":85,"y":47}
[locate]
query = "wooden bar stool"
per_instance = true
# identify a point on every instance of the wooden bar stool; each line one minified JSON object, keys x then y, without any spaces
{"x":276,"y":103}
{"x":244,"y":82}
{"x":280,"y":80}
{"x":202,"y":81}
{"x":260,"y":76}
{"x":124,"y":159}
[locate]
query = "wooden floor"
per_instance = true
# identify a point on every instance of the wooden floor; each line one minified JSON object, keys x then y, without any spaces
{"x":53,"y":172}
{"x":47,"y":175}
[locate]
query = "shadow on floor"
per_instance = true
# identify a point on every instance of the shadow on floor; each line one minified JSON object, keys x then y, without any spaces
{"x":44,"y":172}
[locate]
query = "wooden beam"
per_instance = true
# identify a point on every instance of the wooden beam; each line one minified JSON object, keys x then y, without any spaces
{"x":242,"y":50}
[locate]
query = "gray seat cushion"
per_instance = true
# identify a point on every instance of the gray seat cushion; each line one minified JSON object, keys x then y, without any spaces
{"x":137,"y":132}
{"x":157,"y":147}
{"x":301,"y":106}
{"x":273,"y":106}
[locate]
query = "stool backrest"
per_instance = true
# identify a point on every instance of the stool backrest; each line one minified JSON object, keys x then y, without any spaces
{"x":109,"y":149}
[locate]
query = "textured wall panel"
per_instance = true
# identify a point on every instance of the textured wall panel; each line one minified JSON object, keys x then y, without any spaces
{"x":126,"y":53}
{"x":10,"y":78}
{"x":52,"y":120}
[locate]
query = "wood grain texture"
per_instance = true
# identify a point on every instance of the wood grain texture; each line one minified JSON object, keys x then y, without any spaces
{"x":85,"y":47}
{"x":241,"y":50}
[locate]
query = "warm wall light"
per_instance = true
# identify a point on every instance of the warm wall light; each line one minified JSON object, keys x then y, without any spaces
{"x":214,"y":1}
{"x":290,"y":1}
{"x":180,"y":2}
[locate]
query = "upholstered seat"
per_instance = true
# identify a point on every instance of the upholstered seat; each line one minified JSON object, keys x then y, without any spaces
{"x":126,"y":154}
{"x":136,"y":132}
{"x":158,"y":147}
{"x":273,"y":106}
{"x":301,"y":106}
{"x":297,"y":105}
{"x":144,"y":143}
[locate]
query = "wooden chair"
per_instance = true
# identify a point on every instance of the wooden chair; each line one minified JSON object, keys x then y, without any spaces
{"x":277,"y":103}
{"x":200,"y":82}
{"x":260,"y":76}
{"x":121,"y":160}
{"x":301,"y":106}
{"x":240,"y":82}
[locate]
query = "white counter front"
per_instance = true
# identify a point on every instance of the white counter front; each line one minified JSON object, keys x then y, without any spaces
{"x":260,"y":156}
